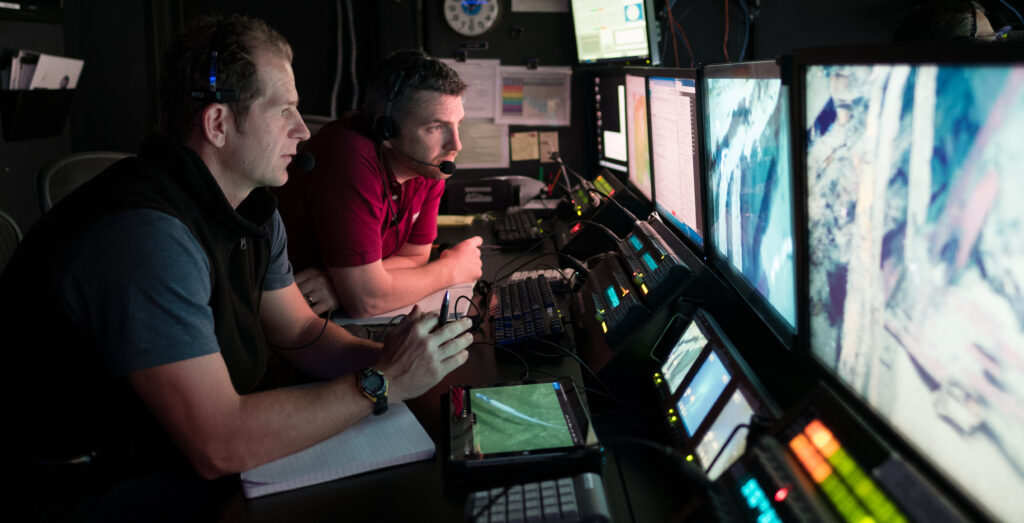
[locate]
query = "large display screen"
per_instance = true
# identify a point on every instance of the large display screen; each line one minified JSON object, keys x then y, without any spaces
{"x":674,"y":142}
{"x":916,"y":257}
{"x":748,"y":157}
{"x":613,"y":31}
{"x":637,"y":144}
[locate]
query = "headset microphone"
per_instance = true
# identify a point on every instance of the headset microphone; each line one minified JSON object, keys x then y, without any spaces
{"x":446,"y":167}
{"x":303,"y":162}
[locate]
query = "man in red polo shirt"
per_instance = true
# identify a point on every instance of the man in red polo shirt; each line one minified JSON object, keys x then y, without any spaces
{"x":361,"y":223}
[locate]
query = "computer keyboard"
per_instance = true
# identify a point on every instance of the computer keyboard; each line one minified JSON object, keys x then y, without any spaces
{"x":525,"y":308}
{"x":573,"y":498}
{"x":517,"y":228}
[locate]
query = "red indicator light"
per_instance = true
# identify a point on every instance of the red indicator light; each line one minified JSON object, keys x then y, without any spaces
{"x":575,"y":228}
{"x":781,"y":494}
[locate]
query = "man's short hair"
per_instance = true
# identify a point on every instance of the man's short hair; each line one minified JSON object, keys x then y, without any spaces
{"x":187,"y":64}
{"x":402,"y":75}
{"x":939,"y":20}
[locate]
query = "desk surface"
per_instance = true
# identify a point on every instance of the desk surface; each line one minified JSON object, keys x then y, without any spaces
{"x":419,"y":491}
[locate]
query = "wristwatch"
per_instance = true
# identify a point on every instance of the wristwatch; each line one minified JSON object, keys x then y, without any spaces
{"x":375,"y":387}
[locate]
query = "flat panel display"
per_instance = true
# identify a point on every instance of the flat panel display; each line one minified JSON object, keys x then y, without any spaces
{"x":716,"y":451}
{"x":916,"y":254}
{"x":637,"y":142}
{"x":749,"y":178}
{"x":674,"y":142}
{"x":614,"y":31}
{"x":702,"y":392}
{"x":683,"y":356}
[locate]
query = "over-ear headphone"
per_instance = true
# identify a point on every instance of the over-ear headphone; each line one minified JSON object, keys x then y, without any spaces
{"x":211,"y":94}
{"x":386,"y":127}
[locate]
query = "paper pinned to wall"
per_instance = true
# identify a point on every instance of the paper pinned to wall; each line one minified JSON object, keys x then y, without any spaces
{"x":484,"y":145}
{"x":538,"y":96}
{"x":481,"y":77}
{"x":524,"y":146}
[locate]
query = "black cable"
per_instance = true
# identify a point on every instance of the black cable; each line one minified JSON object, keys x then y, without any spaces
{"x":616,"y":202}
{"x":526,"y":366}
{"x":380,"y":337}
{"x":725,"y":444}
{"x":323,"y":329}
{"x":601,"y":226}
{"x":689,"y":470}
{"x":490,"y":502}
{"x":597,"y":379}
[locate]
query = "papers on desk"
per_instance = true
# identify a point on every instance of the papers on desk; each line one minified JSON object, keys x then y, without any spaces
{"x":430,"y":303}
{"x":393,"y":438}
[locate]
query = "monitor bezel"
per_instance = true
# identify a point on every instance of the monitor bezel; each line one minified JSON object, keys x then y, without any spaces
{"x":760,"y":304}
{"x":918,"y":53}
{"x":653,"y":56}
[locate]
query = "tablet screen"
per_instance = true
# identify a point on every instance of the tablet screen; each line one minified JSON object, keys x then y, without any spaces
{"x":515,"y":422}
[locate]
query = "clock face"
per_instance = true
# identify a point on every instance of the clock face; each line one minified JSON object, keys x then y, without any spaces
{"x":471,"y":17}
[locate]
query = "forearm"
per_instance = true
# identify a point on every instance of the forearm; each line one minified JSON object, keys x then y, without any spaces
{"x":273,"y":424}
{"x":328,"y":351}
{"x":397,"y":288}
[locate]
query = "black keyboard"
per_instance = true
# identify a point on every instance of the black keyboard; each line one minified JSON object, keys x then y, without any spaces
{"x":525,"y":308}
{"x":575,"y":498}
{"x":517,"y":228}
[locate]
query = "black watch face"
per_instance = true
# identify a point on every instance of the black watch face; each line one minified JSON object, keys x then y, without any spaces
{"x":373,"y":383}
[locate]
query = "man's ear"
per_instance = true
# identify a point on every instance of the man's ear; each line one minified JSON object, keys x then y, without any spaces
{"x":213,"y":121}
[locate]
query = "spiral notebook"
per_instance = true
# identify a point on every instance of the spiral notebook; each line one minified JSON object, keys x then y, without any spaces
{"x":393,"y":438}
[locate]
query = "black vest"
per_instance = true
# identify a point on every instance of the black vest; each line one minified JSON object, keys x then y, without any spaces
{"x":55,"y":390}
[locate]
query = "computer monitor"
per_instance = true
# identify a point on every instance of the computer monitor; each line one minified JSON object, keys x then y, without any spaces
{"x":911,"y":165}
{"x":610,"y":119}
{"x":637,"y":142}
{"x":674,"y":149}
{"x":615,"y":31}
{"x":749,"y":182}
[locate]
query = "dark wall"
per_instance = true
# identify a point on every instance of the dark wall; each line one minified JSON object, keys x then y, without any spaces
{"x":120,"y":40}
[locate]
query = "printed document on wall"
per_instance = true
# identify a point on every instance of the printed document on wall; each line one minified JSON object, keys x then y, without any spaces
{"x":481,"y":77}
{"x":538,"y":96}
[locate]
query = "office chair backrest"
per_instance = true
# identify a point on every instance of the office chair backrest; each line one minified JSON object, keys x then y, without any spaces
{"x":59,"y":177}
{"x":10,"y":237}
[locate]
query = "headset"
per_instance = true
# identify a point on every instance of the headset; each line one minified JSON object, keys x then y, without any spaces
{"x":211,"y":94}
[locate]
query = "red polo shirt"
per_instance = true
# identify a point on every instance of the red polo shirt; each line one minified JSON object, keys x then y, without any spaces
{"x":337,"y":215}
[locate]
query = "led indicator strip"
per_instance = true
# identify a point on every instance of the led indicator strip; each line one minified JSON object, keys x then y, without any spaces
{"x":853,"y":494}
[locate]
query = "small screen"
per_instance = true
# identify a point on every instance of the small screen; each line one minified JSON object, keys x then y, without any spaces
{"x":610,"y":30}
{"x":702,"y":393}
{"x":916,"y":257}
{"x":610,"y":120}
{"x":520,"y":418}
{"x":682,"y":356}
{"x":749,"y":181}
{"x":636,"y":138}
{"x":735,"y":413}
{"x":677,"y":190}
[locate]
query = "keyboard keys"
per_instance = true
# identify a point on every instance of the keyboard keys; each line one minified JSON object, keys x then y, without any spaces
{"x":567,"y":499}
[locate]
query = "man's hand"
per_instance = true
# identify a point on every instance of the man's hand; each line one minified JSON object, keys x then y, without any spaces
{"x":317,"y":288}
{"x":414,"y":359}
{"x":466,"y":258}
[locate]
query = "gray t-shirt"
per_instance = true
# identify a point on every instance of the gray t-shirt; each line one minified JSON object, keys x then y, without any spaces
{"x":139,"y":282}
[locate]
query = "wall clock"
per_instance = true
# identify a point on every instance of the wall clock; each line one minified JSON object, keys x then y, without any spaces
{"x":471,"y":17}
